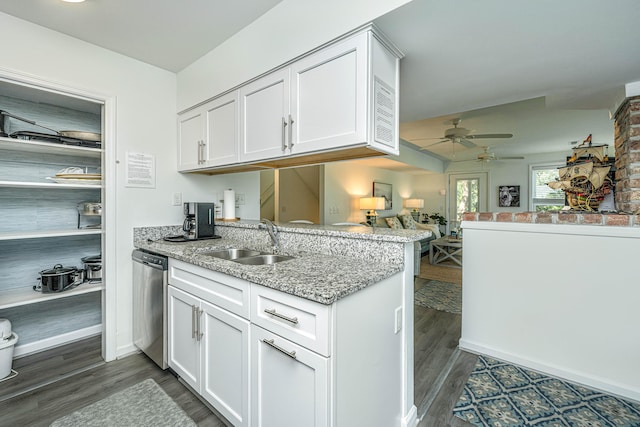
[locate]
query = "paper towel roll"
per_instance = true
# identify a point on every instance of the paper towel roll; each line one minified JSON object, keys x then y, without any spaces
{"x":229,"y":204}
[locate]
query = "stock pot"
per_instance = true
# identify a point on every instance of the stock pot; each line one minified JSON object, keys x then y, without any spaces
{"x":93,"y":267}
{"x":59,"y":278}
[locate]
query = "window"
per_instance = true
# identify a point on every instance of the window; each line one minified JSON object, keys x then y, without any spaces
{"x":543,"y":197}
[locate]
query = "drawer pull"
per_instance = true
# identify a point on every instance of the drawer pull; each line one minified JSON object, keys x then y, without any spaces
{"x":291,"y":354}
{"x":273,"y":312}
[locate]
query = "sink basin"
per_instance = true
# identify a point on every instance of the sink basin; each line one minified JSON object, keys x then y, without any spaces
{"x":232,"y":254}
{"x":262,"y":259}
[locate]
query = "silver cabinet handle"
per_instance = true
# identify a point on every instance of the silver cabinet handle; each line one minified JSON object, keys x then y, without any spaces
{"x":199,"y":315}
{"x":273,"y":312}
{"x":201,"y":156}
{"x":193,"y":321}
{"x":284,"y":134}
{"x":291,"y":354}
{"x":290,"y":132}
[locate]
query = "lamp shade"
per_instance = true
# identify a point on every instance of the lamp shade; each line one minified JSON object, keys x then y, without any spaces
{"x":414,"y":203}
{"x":372,"y":203}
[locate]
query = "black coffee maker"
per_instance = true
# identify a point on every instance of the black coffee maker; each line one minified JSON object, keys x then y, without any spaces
{"x":199,"y":221}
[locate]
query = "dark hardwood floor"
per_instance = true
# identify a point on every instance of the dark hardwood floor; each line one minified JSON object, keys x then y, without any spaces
{"x":57,"y":382}
{"x":80,"y":382}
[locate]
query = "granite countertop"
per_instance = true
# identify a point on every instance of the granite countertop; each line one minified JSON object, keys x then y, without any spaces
{"x":320,"y":278}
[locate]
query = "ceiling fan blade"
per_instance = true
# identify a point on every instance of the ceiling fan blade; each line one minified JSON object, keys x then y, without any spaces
{"x":466,"y":143}
{"x":423,"y":139}
{"x":437,"y":143}
{"x":490,"y":135}
{"x":510,"y":158}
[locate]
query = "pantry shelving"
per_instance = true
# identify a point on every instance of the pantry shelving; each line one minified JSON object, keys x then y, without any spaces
{"x":39,"y":225}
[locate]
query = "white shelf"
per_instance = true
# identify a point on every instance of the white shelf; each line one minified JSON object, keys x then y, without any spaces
{"x":24,"y":296}
{"x":48,"y":147}
{"x":51,"y":185}
{"x":49,"y":233}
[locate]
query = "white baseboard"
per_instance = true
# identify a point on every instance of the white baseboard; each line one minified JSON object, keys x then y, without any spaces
{"x":126,"y":350}
{"x":55,"y":341}
{"x":410,"y":419}
{"x":581,"y":378}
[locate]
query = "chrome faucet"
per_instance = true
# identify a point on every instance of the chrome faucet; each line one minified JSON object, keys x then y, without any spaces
{"x":273,"y":233}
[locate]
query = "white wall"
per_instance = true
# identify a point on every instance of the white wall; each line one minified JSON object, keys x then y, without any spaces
{"x":346,"y":182}
{"x":508,"y":172}
{"x":145,"y":99}
{"x":290,"y":29}
{"x":561,"y":299}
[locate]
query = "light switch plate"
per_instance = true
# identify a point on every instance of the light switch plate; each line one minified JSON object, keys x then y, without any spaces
{"x":177,"y":199}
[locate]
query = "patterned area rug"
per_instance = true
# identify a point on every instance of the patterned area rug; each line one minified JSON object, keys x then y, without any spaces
{"x":441,"y":296}
{"x":502,"y":395}
{"x":144,"y":404}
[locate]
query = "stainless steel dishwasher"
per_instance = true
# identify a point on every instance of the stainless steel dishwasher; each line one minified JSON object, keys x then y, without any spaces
{"x":150,"y":304}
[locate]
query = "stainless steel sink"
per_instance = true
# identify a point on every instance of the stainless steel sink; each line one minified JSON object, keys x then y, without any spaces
{"x":232,"y":254}
{"x":262,"y":259}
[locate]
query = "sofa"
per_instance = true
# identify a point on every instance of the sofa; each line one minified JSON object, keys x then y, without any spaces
{"x":407,"y":221}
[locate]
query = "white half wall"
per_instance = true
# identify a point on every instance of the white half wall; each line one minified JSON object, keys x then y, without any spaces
{"x":561,"y":299}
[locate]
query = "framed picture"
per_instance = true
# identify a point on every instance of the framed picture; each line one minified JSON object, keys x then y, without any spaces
{"x":381,"y":189}
{"x":508,"y":196}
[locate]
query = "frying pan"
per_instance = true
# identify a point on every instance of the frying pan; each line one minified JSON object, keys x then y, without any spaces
{"x":86,"y":136}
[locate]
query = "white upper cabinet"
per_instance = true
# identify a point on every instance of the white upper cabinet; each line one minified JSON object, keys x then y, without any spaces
{"x":337,"y":102}
{"x":222,"y":130}
{"x":328,"y":98}
{"x":190,"y":140}
{"x":264,"y":117}
{"x":208,"y":136}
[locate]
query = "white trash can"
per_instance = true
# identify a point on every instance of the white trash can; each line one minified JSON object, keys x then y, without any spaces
{"x":8,"y":340}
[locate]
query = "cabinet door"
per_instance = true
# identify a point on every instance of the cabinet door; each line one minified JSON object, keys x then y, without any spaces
{"x":225,"y":363}
{"x":264,"y":115}
{"x":287,"y":389}
{"x":329,"y":97}
{"x":184,"y":346}
{"x":190,"y":140}
{"x":222,"y":127}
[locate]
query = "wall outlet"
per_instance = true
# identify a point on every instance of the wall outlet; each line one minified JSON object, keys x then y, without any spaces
{"x":239,"y":199}
{"x":398,"y":320}
{"x":177,"y":199}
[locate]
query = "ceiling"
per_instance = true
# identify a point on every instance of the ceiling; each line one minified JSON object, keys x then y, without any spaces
{"x":167,"y":34}
{"x":546,"y":71}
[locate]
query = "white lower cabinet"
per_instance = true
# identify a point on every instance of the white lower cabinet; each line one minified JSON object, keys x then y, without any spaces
{"x":209,"y":347}
{"x":289,"y":384}
{"x":266,"y":358}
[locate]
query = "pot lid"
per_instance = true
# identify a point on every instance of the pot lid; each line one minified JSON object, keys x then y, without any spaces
{"x":57,"y":270}
{"x":92,"y":258}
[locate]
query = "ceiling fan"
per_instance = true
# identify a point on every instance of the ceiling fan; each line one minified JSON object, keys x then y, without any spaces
{"x":486,"y":156}
{"x":462,"y":136}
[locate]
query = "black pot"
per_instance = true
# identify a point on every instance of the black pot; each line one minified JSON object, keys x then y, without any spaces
{"x":59,"y":278}
{"x":93,"y":267}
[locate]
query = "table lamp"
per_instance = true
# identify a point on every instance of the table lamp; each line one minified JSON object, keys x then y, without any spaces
{"x":415,"y":204}
{"x":371,"y":204}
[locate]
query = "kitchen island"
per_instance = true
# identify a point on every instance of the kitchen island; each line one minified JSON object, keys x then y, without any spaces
{"x":342,"y":308}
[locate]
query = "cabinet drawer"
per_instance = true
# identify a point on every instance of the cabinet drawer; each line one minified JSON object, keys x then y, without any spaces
{"x":304,"y":322}
{"x":219,"y":289}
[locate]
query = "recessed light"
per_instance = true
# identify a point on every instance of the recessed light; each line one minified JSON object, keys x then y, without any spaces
{"x":73,"y":1}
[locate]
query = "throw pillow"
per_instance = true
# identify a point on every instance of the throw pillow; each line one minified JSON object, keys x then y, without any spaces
{"x":408,"y":222}
{"x":394,"y":222}
{"x":431,"y":227}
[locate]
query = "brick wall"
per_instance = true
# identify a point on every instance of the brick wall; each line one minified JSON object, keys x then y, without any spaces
{"x":627,"y":145}
{"x":581,"y":218}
